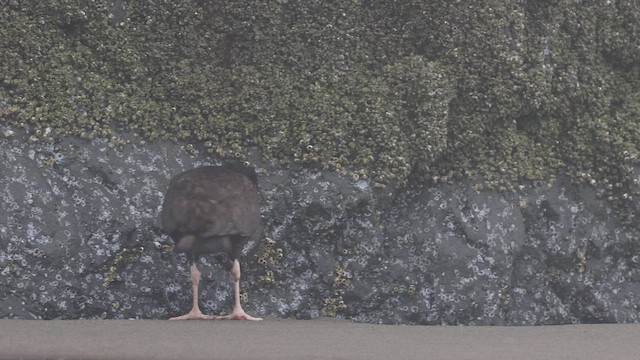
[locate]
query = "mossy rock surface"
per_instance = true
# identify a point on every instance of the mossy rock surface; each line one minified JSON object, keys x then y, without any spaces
{"x":409,"y":91}
{"x":398,"y":142}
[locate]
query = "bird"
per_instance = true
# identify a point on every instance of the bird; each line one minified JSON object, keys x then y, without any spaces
{"x":212,"y":209}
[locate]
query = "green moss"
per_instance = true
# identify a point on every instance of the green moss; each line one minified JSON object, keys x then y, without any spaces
{"x":410,"y":91}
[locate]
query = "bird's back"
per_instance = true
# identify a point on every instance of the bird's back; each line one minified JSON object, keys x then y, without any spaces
{"x":211,"y":202}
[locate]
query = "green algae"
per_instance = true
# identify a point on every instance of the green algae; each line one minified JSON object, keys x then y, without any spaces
{"x":408,"y":91}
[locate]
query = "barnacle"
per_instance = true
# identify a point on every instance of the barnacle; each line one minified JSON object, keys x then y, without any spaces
{"x":123,"y":257}
{"x":411,"y":290}
{"x":502,"y":294}
{"x":13,"y":267}
{"x":268,"y":253}
{"x":341,"y":278}
{"x":333,"y":305}
{"x":49,"y":161}
{"x":267,"y":279}
{"x":582,"y":259}
{"x":165,"y":249}
{"x":244,"y":297}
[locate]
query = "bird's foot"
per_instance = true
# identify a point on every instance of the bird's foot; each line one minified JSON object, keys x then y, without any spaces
{"x":237,"y":315}
{"x":193,"y":315}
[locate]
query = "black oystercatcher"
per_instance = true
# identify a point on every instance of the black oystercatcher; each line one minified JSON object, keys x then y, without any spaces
{"x":212,"y":209}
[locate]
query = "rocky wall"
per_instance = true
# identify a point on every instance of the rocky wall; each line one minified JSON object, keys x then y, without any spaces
{"x":80,"y":238}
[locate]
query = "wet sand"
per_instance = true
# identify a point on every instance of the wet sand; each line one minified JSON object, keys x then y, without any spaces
{"x":313,"y":339}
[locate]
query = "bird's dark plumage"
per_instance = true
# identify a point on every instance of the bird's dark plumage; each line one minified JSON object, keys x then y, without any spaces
{"x":212,"y":209}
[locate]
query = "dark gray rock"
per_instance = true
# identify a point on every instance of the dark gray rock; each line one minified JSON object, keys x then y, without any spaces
{"x":80,"y":238}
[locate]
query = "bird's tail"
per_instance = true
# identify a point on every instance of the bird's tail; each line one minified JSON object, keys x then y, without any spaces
{"x":185,"y":243}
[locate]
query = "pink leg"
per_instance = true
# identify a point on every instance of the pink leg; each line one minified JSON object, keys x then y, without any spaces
{"x":195,"y":313}
{"x":238,"y":313}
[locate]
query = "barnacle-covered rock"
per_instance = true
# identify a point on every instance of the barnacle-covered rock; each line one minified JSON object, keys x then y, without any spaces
{"x":519,"y":118}
{"x":82,"y":240}
{"x":390,"y":92}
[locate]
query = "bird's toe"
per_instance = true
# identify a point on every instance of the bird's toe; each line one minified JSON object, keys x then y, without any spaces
{"x":193,"y":315}
{"x":238,"y":315}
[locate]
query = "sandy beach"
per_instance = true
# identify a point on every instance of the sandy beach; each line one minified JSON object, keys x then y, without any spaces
{"x":312,"y":339}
